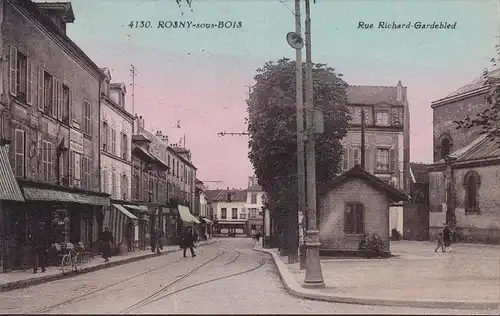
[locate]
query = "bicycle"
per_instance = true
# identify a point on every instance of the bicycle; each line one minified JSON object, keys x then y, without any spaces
{"x":71,"y":261}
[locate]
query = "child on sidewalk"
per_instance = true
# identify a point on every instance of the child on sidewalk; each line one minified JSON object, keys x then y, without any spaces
{"x":439,"y":242}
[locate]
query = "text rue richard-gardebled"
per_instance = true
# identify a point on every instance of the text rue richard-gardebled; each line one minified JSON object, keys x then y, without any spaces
{"x":410,"y":25}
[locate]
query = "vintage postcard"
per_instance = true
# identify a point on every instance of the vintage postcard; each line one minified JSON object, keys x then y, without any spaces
{"x":250,"y":157}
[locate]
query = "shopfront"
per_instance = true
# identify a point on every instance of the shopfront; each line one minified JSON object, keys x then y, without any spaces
{"x":141,"y":230}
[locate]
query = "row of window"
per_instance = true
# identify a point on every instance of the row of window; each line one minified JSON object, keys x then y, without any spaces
{"x":234,"y":213}
{"x":117,"y":181}
{"x":180,"y":171}
{"x":53,"y":97}
{"x":73,"y":169}
{"x":385,"y":160}
{"x":154,"y":189}
{"x":378,"y":117}
{"x":108,"y":142}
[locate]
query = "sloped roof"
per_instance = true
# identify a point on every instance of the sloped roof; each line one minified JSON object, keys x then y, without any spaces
{"x":475,"y":84}
{"x":420,"y":172}
{"x":220,"y":195}
{"x":486,"y":148}
{"x":358,"y":172}
{"x":64,"y":7}
{"x":369,"y":95}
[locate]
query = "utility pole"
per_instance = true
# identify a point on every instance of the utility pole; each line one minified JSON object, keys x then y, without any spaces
{"x":314,"y":274}
{"x":293,"y":255}
{"x":133,"y":73}
{"x":363,"y":138}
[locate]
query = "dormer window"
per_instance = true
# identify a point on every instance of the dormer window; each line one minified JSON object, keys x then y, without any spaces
{"x":229,"y":196}
{"x":121,"y":100}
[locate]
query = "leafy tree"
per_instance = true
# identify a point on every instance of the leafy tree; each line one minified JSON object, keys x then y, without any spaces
{"x":273,"y":131}
{"x":488,"y":119}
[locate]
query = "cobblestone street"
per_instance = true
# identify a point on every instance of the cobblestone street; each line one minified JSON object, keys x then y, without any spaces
{"x":143,"y":286}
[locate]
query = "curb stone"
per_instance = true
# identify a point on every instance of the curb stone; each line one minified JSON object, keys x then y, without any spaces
{"x":293,"y":287}
{"x":49,"y":278}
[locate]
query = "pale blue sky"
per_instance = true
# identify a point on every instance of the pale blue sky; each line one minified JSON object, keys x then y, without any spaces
{"x":198,"y":76}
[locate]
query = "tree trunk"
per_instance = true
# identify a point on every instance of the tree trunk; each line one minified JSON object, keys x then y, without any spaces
{"x":285,"y":229}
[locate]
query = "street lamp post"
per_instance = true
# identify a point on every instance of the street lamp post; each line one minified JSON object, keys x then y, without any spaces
{"x":314,"y":275}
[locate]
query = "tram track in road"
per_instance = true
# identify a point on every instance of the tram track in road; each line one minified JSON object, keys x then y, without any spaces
{"x":88,"y":295}
{"x":148,"y":299}
{"x":261,"y":264}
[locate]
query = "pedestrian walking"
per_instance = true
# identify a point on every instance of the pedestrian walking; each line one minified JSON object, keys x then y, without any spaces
{"x":439,"y":243}
{"x":188,"y":241}
{"x":447,"y":238}
{"x":128,"y":236}
{"x":39,"y":246}
{"x":155,"y":240}
{"x":195,"y":237}
{"x":106,"y":239}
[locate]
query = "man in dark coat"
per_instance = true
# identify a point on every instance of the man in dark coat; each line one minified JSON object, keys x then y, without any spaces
{"x":188,"y":242}
{"x":447,"y":237}
{"x":106,"y":239}
{"x":39,"y":246}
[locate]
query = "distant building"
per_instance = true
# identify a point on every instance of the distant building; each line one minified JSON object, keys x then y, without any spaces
{"x":387,"y":137}
{"x":230,"y":212}
{"x":254,"y":206}
{"x":416,"y":215}
{"x":464,"y":178}
{"x":352,"y":205}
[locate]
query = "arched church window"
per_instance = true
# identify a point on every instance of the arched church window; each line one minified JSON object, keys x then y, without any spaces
{"x":472,"y":182}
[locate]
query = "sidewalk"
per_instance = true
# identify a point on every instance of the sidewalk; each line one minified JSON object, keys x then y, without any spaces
{"x":467,"y":278}
{"x":20,"y":279}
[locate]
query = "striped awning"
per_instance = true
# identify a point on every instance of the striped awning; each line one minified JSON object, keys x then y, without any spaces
{"x":206,"y":220}
{"x":125,"y":211}
{"x":186,"y":216}
{"x":141,"y":208}
{"x":9,"y":188}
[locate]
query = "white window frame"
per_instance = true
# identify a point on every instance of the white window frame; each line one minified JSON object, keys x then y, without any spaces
{"x":382,"y":118}
{"x":47,"y":161}
{"x":113,"y":141}
{"x":378,"y":158}
{"x":87,"y":114}
{"x":105,"y":180}
{"x":20,"y":153}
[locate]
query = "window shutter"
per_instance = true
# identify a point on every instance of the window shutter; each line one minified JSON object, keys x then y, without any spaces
{"x":41,"y":97}
{"x":360,"y":218}
{"x":60,"y":103}
{"x":29,"y":81}
{"x":357,"y":158}
{"x":351,"y":158}
{"x":70,"y":108}
{"x":54,"y":97}
{"x":345,"y":158}
{"x":71,"y":164}
{"x":20,"y":149}
{"x":347,"y":218}
{"x":13,"y":71}
{"x":392,"y":160}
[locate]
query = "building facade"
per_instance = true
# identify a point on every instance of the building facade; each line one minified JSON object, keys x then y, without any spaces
{"x":230,"y":213}
{"x":464,"y":178}
{"x":116,"y":160}
{"x":254,"y":206}
{"x":387,"y":137}
{"x":50,"y":99}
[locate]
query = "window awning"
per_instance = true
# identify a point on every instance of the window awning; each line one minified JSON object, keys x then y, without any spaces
{"x":186,"y":216}
{"x":9,"y":188}
{"x":142,"y":208}
{"x":125,"y":211}
{"x":206,"y":220}
{"x":36,"y":194}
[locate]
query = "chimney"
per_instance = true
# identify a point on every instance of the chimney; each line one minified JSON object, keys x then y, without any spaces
{"x":60,"y":13}
{"x":159,"y":134}
{"x":399,"y":91}
{"x":165,"y":139}
{"x":141,"y":124}
{"x":251,"y":181}
{"x":136,"y":125}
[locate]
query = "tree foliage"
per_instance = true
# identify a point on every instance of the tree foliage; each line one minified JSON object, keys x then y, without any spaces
{"x":273,"y":131}
{"x":488,"y":119}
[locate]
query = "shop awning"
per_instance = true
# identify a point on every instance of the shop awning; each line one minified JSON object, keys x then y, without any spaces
{"x":125,"y":211}
{"x":142,"y":208}
{"x":186,"y":216}
{"x":9,"y":188}
{"x":206,"y":220}
{"x":36,"y":194}
{"x":232,"y":222}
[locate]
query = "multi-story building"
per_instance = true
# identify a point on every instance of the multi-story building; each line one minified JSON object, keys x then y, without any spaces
{"x":50,"y":103}
{"x":387,"y":137}
{"x":180,"y":181}
{"x":254,"y":205}
{"x":116,"y":158}
{"x":203,"y":208}
{"x":230,"y":211}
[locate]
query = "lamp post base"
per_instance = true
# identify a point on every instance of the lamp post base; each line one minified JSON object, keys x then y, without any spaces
{"x":314,"y":274}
